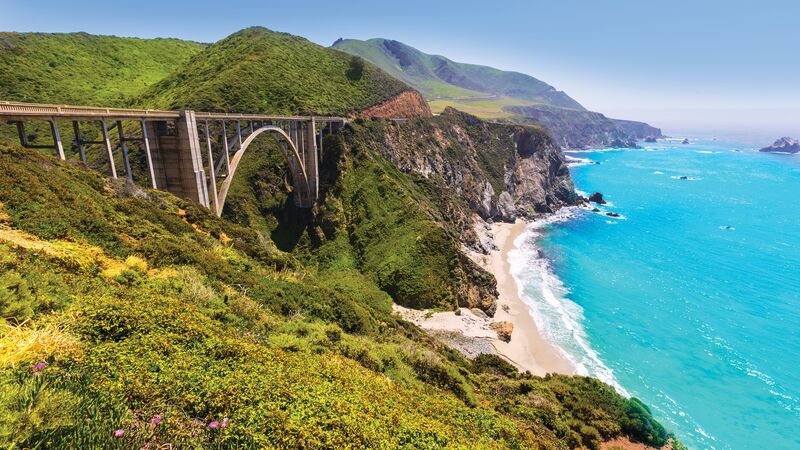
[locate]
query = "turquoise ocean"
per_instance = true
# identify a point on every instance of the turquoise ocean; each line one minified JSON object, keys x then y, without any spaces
{"x":690,"y":300}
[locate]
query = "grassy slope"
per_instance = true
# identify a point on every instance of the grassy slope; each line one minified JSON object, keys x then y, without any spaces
{"x":79,"y":68}
{"x":258,"y":70}
{"x":143,"y":305}
{"x":146,"y":305}
{"x":439,"y":77}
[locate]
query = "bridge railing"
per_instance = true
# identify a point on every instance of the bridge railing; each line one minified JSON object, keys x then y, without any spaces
{"x":18,"y":110}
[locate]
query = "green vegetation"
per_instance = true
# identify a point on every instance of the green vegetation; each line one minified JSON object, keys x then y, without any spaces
{"x":485,"y":108}
{"x":440,"y":78}
{"x":134,"y":319}
{"x":258,"y":70}
{"x":124,"y":306}
{"x":81,"y":69}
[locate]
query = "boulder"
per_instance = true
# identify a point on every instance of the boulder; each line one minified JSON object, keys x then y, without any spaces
{"x":503,"y":330}
{"x":506,"y":209}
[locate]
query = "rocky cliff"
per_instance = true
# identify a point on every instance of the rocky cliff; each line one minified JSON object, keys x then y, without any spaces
{"x":408,"y":199}
{"x":406,"y":105}
{"x":577,"y":129}
{"x":494,"y":171}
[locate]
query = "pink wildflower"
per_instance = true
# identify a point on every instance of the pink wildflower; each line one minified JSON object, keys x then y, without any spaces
{"x":37,"y":373}
{"x":224,"y":423}
{"x":119,"y":433}
{"x":213,"y":424}
{"x":156,"y":420}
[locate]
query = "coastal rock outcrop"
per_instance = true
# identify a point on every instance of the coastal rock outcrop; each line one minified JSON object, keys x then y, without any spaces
{"x":581,"y":129}
{"x":498,"y":171}
{"x":597,"y":198}
{"x":783,"y":145}
{"x":503,"y":330}
{"x":623,"y":143}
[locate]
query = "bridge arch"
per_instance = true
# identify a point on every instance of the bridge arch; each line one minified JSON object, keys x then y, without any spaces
{"x":296,"y":163}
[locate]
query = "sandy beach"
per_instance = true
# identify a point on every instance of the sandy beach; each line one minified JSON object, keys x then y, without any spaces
{"x":528,"y":349}
{"x":471,"y":332}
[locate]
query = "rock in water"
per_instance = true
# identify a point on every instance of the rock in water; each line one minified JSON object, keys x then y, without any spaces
{"x":619,"y":143}
{"x":685,"y":141}
{"x":650,"y":139}
{"x":503,"y":330}
{"x":783,"y":145}
{"x":597,"y":198}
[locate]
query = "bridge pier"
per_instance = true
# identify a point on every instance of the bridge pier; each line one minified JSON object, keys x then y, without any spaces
{"x":177,"y":161}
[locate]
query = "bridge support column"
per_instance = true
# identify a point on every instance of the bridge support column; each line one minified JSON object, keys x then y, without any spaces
{"x":57,"y":139}
{"x":311,"y":159}
{"x":109,"y":149}
{"x":178,"y":154}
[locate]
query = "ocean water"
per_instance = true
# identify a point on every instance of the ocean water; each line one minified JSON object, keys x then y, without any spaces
{"x":690,"y":300}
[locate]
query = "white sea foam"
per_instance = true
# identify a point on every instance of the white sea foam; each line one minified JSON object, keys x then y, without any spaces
{"x":559,"y":318}
{"x":574,"y":161}
{"x":658,"y":173}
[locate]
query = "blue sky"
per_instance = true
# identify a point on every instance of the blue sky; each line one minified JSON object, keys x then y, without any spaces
{"x":678,"y":64}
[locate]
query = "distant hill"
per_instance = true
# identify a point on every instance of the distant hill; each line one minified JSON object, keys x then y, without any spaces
{"x":258,"y":70}
{"x":79,"y":68}
{"x":439,"y":78}
{"x":584,"y":129}
{"x":499,"y":95}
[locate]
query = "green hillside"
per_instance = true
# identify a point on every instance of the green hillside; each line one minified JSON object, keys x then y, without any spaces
{"x":258,"y":70}
{"x":121,"y":306}
{"x":79,"y":68}
{"x":130,"y":318}
{"x":438,"y":77}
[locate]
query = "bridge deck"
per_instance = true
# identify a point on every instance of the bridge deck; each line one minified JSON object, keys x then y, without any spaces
{"x":31,"y":111}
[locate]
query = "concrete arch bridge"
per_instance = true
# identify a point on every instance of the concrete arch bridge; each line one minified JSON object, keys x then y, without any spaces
{"x":191,"y":154}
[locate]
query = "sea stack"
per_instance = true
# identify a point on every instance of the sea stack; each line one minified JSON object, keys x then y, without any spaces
{"x":597,"y":198}
{"x":783,"y":145}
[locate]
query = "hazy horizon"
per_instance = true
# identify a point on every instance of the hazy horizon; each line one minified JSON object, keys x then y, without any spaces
{"x":680,"y":66}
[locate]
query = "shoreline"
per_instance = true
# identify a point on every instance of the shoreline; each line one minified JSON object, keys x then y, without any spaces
{"x":529,"y":349}
{"x":471,"y":331}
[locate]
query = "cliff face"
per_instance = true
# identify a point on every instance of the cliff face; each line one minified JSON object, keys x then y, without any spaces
{"x":584,"y":129}
{"x":406,"y":105}
{"x":408,"y":195}
{"x":496,"y":171}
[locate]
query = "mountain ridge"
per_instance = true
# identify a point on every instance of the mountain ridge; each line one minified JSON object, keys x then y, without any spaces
{"x":414,"y":66}
{"x":498,"y":95}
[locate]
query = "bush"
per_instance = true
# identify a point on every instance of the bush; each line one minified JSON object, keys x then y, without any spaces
{"x":494,"y":364}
